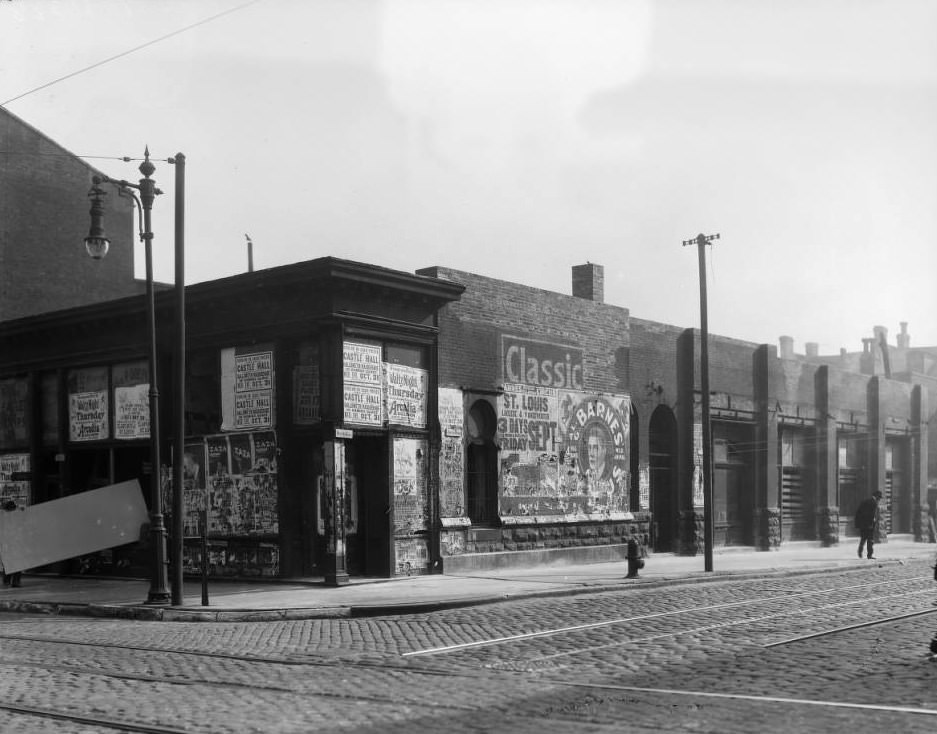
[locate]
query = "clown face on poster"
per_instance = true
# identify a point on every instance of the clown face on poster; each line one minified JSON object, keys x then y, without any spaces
{"x":596,"y":445}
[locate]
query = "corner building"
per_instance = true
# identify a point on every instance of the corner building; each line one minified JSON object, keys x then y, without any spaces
{"x":308,"y":395}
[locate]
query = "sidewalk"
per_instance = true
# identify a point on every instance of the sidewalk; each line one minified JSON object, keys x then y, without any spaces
{"x":311,"y":599}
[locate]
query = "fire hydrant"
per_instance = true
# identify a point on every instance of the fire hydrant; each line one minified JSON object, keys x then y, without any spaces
{"x":635,"y":562}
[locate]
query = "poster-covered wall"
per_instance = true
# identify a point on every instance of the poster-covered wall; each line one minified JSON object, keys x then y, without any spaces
{"x":410,"y":495}
{"x":564,"y":454}
{"x":451,"y":451}
{"x":14,"y":479}
{"x":411,"y":506}
{"x":236,"y":474}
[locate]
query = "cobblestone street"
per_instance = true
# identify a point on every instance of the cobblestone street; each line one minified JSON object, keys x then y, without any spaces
{"x":716,"y":656}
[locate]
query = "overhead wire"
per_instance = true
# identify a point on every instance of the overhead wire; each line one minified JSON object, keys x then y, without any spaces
{"x":129,"y":51}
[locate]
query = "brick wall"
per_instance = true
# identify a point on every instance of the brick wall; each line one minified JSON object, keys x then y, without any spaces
{"x":43,"y":222}
{"x":470,"y":329}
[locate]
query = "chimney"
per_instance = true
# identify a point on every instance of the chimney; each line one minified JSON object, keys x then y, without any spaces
{"x":787,"y":347}
{"x":867,"y":358}
{"x":813,"y":349}
{"x":904,"y":338}
{"x":589,"y":282}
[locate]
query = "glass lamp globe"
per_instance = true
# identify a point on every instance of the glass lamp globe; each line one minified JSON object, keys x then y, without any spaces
{"x":97,"y":247}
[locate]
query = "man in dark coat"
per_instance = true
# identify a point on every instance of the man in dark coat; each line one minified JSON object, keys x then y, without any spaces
{"x":866,"y":522}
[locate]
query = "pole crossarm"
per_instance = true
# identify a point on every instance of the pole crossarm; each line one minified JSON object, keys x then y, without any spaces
{"x":701,"y":239}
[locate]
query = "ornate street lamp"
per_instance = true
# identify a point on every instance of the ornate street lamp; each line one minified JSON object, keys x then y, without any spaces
{"x":97,"y":245}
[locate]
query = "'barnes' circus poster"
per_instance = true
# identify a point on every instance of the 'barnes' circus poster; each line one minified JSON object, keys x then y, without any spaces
{"x":563,"y":453}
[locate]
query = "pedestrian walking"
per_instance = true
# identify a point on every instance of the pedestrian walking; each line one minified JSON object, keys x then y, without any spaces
{"x":10,"y":579}
{"x":867,"y":523}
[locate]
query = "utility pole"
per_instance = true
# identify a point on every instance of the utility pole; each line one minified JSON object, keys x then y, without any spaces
{"x":701,"y":240}
{"x":250,"y":253}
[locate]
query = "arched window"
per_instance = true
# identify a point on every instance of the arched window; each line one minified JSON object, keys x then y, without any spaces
{"x":482,"y":463}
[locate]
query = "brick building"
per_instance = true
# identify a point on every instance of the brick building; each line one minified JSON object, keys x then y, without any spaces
{"x":796,"y":444}
{"x":43,"y":219}
{"x":345,"y":418}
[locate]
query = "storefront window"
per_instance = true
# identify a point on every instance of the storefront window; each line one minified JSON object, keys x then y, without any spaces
{"x":14,"y":413}
{"x":49,"y":408}
{"x":405,"y":355}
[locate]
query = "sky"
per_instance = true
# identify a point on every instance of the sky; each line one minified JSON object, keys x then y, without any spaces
{"x":518,"y":138}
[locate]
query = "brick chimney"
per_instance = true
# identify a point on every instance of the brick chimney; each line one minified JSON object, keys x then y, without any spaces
{"x":787,"y":347}
{"x":904,"y":338}
{"x":589,"y":282}
{"x":812,"y":349}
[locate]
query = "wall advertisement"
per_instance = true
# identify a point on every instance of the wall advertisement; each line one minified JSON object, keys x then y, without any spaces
{"x":564,"y":454}
{"x":698,"y":465}
{"x":410,"y":486}
{"x":451,"y":464}
{"x":378,"y":393}
{"x":361,"y":373}
{"x":405,"y":390}
{"x":306,"y":395}
{"x":14,"y":481}
{"x":132,"y":412}
{"x":88,"y":409}
{"x":247,"y":388}
{"x":131,"y":400}
{"x":87,"y":416}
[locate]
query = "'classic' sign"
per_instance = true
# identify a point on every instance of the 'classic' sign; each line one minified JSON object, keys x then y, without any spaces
{"x":528,"y":362}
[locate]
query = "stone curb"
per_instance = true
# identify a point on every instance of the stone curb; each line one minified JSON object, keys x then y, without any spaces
{"x":145,"y":613}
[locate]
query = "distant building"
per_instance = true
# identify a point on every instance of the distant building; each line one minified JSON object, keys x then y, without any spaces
{"x":43,"y":221}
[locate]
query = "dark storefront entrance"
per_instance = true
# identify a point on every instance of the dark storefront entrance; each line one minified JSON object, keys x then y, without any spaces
{"x":369,"y":502}
{"x":663,"y":487}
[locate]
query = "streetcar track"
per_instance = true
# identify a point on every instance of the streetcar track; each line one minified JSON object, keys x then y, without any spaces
{"x":176,"y":681}
{"x":721,"y":625}
{"x":295,"y":661}
{"x":849,"y":628}
{"x":756,"y":699}
{"x":93,"y":720}
{"x":638,"y":618}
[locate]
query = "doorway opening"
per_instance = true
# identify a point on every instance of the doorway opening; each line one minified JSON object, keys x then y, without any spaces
{"x":662,"y":440}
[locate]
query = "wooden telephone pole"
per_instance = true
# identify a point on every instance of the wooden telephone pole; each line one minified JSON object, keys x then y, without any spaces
{"x":701,"y":240}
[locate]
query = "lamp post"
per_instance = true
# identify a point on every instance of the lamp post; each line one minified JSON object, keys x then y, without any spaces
{"x":97,"y":245}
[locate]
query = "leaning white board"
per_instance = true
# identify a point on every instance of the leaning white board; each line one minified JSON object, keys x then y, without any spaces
{"x":72,"y":526}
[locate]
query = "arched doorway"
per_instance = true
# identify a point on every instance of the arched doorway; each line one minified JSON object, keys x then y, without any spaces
{"x":662,"y":444}
{"x":482,"y":463}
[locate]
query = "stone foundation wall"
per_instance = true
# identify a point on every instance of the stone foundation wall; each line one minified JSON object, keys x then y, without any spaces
{"x":557,"y":536}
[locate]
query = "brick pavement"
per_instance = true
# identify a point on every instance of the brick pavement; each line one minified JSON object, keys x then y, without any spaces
{"x":348,"y":674}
